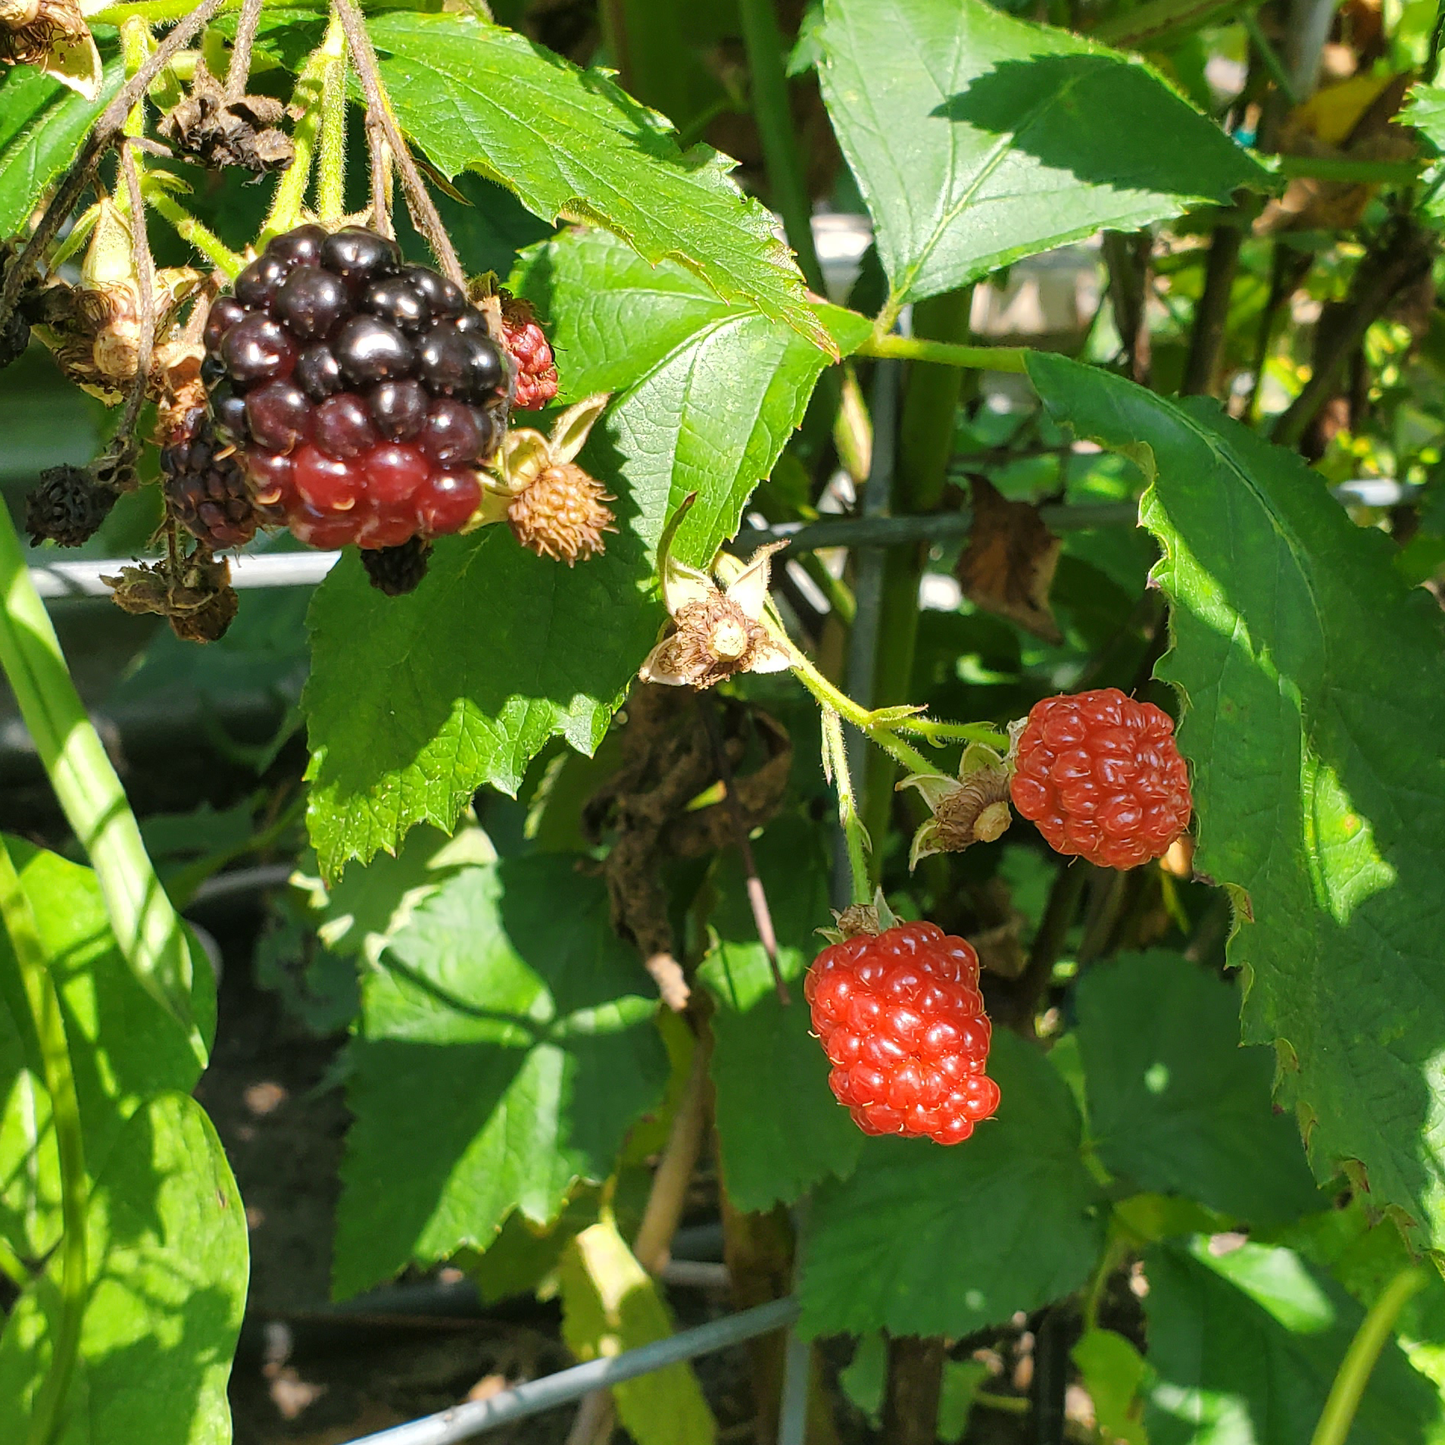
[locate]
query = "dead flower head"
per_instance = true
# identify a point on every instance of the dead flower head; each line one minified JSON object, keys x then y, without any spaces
{"x":552,"y":506}
{"x":221,"y":130}
{"x":972,"y":808}
{"x":52,"y":36}
{"x":194,"y":594}
{"x":717,"y":631}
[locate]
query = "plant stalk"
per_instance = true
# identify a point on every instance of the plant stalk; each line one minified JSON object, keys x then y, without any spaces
{"x":947,"y":353}
{"x":90,"y":794}
{"x":1359,"y":1361}
{"x":835,"y":765}
{"x":31,"y":955}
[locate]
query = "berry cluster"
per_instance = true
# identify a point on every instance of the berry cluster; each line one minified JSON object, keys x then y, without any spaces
{"x":1101,"y":777}
{"x":901,"y":1020}
{"x":361,"y":393}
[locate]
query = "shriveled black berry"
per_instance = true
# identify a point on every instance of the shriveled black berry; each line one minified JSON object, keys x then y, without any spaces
{"x":399,"y":408}
{"x":397,"y":301}
{"x":257,"y":349}
{"x":311,"y":303}
{"x":67,"y":507}
{"x":14,"y":339}
{"x":318,"y":373}
{"x":258,"y":284}
{"x":205,"y":488}
{"x":445,"y":299}
{"x":358,"y":255}
{"x":229,"y":410}
{"x":370,"y":350}
{"x":225,"y":312}
{"x":396,"y":570}
{"x":301,"y":246}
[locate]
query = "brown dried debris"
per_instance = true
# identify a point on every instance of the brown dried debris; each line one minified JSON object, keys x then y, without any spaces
{"x":221,"y":130}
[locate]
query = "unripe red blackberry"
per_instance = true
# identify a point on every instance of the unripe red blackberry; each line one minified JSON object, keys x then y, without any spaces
{"x":361,"y":393}
{"x":901,"y":1019}
{"x":531,"y":355}
{"x":1100,"y":775}
{"x":205,"y":487}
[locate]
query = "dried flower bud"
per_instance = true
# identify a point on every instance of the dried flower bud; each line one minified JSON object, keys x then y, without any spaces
{"x":219,"y":131}
{"x":857,"y":918}
{"x":974,"y":808}
{"x":561,"y":514}
{"x":193,"y":593}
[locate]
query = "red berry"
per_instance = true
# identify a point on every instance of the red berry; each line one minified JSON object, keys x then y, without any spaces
{"x":278,"y":416}
{"x":393,"y":473}
{"x":531,"y":354}
{"x":343,"y":426}
{"x":326,"y":483}
{"x":901,"y":1020}
{"x":446,"y":501}
{"x":321,"y":529}
{"x":1101,"y":777}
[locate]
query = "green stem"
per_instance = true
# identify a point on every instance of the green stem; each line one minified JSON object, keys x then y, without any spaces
{"x":1116,"y":1248}
{"x":947,"y":353}
{"x":331,"y":154}
{"x":879,"y":732}
{"x":941,"y":732}
{"x":1013,"y":1404}
{"x":308,"y":95}
{"x":195,"y":233}
{"x":153,"y":12}
{"x":135,"y":48}
{"x":1341,"y":168}
{"x":1270,"y":56}
{"x":146,"y":926}
{"x":1355,"y":1369}
{"x":778,"y":134}
{"x":835,"y":763}
{"x":44,"y":1001}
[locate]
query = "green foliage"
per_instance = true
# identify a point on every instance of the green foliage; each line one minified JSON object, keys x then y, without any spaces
{"x":923,"y":1240}
{"x":415,"y":702}
{"x":780,"y":1130}
{"x":505,"y":1048}
{"x":476,"y":95}
{"x":1245,"y":1345}
{"x":166,"y":1288}
{"x":977,"y":139}
{"x":1317,"y":760}
{"x":1173,"y":1103}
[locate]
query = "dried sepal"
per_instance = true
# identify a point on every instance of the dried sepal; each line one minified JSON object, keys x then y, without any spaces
{"x":51,"y":35}
{"x":220,"y":131}
{"x":971,"y":808}
{"x":194,"y":594}
{"x":871,"y":918}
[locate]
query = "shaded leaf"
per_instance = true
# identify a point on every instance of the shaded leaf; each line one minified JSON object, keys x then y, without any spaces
{"x":977,"y":139}
{"x":923,"y":1239}
{"x":167,"y":1264}
{"x":506,"y":1045}
{"x":1315,"y":726}
{"x":575,"y":147}
{"x":779,"y":1127}
{"x":1176,"y":1106}
{"x":1246,"y":1346}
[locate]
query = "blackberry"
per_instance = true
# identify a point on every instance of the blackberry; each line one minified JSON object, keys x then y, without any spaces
{"x":395,"y":570}
{"x":361,"y":393}
{"x":205,"y":487}
{"x":67,"y":507}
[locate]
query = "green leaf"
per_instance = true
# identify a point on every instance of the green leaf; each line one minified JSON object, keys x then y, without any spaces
{"x":42,"y":125}
{"x":415,"y":702}
{"x":764,"y":1053}
{"x":507,"y":1044}
{"x":1424,"y":109}
{"x":1246,"y":1346}
{"x":124,"y":1046}
{"x":977,"y":138}
{"x":575,"y":147}
{"x":1112,"y":1371}
{"x":1314,"y":724}
{"x":167,"y":1264}
{"x":1176,"y":1106}
{"x":925,"y":1240}
{"x":610,"y":1304}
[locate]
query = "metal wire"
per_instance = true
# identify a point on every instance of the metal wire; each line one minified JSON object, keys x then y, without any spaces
{"x":462,"y":1422}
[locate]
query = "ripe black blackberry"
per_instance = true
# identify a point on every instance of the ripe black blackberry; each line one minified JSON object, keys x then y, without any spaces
{"x":361,"y":393}
{"x":395,"y":570}
{"x":205,"y":487}
{"x":67,"y":507}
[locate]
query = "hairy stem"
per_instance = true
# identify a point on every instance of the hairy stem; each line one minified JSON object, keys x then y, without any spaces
{"x":1359,"y":1362}
{"x":146,"y":283}
{"x":239,"y":70}
{"x":309,"y":95}
{"x":947,"y":353}
{"x":90,"y":794}
{"x":835,"y":765}
{"x":779,"y":136}
{"x":331,"y":153}
{"x":195,"y":233}
{"x":424,"y":214}
{"x":40,"y":992}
